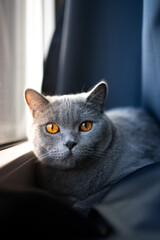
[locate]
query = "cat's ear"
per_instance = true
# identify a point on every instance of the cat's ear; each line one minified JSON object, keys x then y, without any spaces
{"x":35,"y":101}
{"x":97,"y":95}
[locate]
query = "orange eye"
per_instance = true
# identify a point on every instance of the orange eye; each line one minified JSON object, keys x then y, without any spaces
{"x":85,"y":126}
{"x":52,"y":128}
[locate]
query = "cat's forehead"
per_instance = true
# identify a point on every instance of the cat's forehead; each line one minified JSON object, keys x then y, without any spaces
{"x":65,"y":102}
{"x":67,"y":108}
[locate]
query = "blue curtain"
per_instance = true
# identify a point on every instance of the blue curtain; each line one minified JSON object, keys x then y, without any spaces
{"x":151,"y":57}
{"x":110,"y":39}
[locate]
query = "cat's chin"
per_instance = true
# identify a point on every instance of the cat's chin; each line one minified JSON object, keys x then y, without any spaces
{"x":65,"y":162}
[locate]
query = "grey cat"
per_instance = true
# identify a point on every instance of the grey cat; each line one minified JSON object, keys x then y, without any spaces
{"x":82,"y":149}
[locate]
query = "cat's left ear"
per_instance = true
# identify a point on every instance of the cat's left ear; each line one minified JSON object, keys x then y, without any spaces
{"x":97,"y":95}
{"x":36,"y":102}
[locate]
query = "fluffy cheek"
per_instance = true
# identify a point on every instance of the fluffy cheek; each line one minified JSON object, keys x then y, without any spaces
{"x":38,"y":141}
{"x":94,"y":139}
{"x":52,"y":152}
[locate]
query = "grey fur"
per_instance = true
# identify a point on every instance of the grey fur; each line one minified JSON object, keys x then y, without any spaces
{"x":120,"y":142}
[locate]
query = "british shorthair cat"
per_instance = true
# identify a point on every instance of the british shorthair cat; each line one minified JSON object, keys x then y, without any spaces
{"x":82,"y":149}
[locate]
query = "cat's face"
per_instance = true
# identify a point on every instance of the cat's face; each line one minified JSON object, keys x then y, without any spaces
{"x":69,"y":131}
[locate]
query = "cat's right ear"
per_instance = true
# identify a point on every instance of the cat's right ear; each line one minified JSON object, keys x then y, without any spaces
{"x":97,"y":96}
{"x":35,"y":101}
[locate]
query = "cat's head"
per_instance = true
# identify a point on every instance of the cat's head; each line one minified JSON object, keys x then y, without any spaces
{"x":69,"y":131}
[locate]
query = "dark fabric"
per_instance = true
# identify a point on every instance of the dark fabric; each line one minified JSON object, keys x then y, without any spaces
{"x":129,"y":210}
{"x":34,"y":214}
{"x":151,"y":57}
{"x":99,"y":39}
{"x":132,"y":206}
{"x":115,"y":40}
{"x":50,"y":84}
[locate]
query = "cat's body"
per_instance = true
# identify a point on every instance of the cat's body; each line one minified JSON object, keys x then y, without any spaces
{"x":77,"y":165}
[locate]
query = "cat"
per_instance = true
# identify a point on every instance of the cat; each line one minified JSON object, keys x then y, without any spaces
{"x":82,"y":149}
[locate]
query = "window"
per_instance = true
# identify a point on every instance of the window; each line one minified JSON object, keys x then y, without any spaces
{"x":26,"y":28}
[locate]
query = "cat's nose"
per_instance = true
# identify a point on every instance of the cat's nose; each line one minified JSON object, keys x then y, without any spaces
{"x":71,"y":144}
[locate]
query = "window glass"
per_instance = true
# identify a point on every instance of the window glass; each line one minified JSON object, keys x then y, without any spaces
{"x":22,"y":43}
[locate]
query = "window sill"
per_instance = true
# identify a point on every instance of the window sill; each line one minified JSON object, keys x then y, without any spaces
{"x":17,"y":167}
{"x":12,"y":153}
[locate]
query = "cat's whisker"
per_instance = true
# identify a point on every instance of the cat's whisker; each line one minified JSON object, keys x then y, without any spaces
{"x":44,"y":156}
